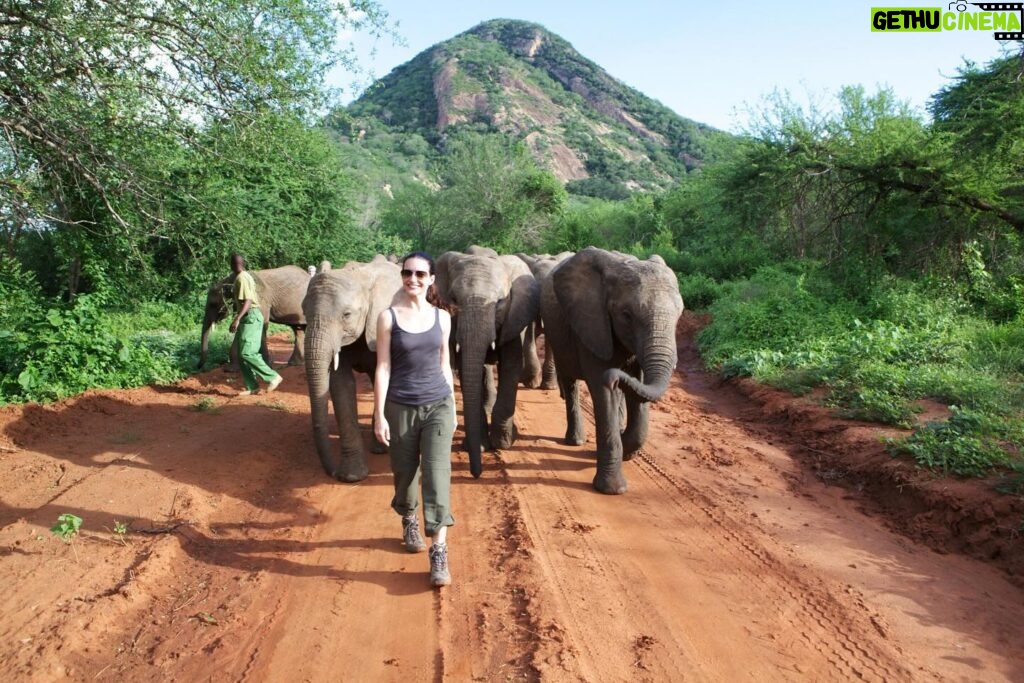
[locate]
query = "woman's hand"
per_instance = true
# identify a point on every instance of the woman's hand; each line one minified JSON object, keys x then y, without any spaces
{"x":382,"y":430}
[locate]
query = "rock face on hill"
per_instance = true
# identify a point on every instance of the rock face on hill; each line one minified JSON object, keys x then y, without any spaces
{"x":519,"y":79}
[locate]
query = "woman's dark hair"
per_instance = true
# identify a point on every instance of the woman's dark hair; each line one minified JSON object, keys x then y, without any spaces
{"x":434,"y":297}
{"x":418,"y":254}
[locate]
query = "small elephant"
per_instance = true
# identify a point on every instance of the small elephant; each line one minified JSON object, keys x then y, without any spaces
{"x":541,"y":266}
{"x":341,"y":309}
{"x":496,"y":300}
{"x":610,"y":320}
{"x":280,"y":291}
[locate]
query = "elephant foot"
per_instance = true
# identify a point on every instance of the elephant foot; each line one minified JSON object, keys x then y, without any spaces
{"x":612,"y":484}
{"x":576,"y":438}
{"x":352,"y":473}
{"x":503,"y":438}
{"x":630,"y":447}
{"x":549,"y":385}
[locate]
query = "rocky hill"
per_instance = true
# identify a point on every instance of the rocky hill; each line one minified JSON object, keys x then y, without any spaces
{"x":519,"y":79}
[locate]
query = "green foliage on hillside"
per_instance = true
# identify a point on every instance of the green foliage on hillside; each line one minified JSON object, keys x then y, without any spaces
{"x":491,"y":193}
{"x":516,"y":78}
{"x":876,"y":255}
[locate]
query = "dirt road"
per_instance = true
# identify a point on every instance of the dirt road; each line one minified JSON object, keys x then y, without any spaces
{"x":726,"y":561}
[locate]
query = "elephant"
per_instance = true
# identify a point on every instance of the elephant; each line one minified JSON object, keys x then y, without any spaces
{"x":495,"y":300}
{"x":541,"y":266}
{"x":341,"y":309}
{"x":610,"y":320}
{"x":280,"y":291}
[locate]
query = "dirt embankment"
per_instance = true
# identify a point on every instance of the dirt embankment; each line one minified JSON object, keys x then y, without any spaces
{"x":728,"y":559}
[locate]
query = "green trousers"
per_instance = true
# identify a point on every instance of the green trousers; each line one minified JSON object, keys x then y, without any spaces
{"x":250,"y":338}
{"x":421,"y":445}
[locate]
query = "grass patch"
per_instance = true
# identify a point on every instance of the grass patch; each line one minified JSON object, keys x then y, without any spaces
{"x":276,"y":404}
{"x":50,"y":350}
{"x":206,"y":404}
{"x":787,"y":327}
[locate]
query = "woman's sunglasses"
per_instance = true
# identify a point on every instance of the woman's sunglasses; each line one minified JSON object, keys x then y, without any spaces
{"x":420,"y":274}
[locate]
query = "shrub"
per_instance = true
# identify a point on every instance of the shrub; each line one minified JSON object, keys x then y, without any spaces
{"x":698,"y":290}
{"x":55,"y":350}
{"x":970,"y":443}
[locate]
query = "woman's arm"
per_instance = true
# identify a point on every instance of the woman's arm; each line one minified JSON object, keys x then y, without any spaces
{"x":382,"y":378}
{"x":446,"y":363}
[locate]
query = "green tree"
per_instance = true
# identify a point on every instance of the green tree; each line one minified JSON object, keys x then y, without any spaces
{"x":492,"y":193}
{"x":96,"y":94}
{"x":980,"y":115}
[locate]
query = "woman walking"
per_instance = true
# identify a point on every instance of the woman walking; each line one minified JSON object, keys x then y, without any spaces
{"x":414,"y":409}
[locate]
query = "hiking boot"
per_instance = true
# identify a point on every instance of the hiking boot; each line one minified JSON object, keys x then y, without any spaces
{"x":411,"y":535}
{"x":439,"y":575}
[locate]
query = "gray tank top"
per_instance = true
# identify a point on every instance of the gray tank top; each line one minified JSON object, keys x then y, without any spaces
{"x":416,"y":377}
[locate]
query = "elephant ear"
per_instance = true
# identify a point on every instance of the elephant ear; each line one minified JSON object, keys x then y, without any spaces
{"x":382,"y":293}
{"x":442,"y":273}
{"x":522,"y":307}
{"x":225,"y":287}
{"x":580,"y":289}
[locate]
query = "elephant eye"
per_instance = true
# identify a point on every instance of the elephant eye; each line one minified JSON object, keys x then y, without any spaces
{"x":347,"y":315}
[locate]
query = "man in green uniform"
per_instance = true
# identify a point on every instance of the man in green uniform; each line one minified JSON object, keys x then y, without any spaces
{"x":249,"y":325}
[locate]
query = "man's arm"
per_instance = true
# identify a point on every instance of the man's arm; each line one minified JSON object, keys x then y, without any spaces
{"x":242,"y":310}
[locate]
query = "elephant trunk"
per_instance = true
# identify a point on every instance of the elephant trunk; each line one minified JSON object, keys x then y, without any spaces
{"x":318,"y":379}
{"x":477,"y":333}
{"x":657,"y":360}
{"x":204,"y":344}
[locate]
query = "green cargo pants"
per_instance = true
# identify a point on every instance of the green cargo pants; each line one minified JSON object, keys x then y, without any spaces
{"x":421,"y":442}
{"x":250,"y":338}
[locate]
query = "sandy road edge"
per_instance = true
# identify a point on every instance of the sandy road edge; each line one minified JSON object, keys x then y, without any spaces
{"x":969,"y":517}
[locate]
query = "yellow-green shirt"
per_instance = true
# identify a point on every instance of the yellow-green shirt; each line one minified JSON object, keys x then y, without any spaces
{"x":245,"y":288}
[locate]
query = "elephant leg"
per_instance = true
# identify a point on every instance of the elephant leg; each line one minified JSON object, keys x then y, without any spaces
{"x":609,"y":478}
{"x":490,"y":394}
{"x":620,"y":408}
{"x":233,"y":356}
{"x":637,"y":422}
{"x":531,"y":374}
{"x":575,"y":431}
{"x":490,"y":390}
{"x":549,"y":375}
{"x":365,"y":361}
{"x":352,"y":466}
{"x":300,"y":343}
{"x":510,"y":369}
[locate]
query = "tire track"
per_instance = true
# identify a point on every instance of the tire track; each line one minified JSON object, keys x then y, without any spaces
{"x":823,"y":620}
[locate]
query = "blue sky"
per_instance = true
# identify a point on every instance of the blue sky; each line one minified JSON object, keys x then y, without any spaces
{"x":710,"y":62}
